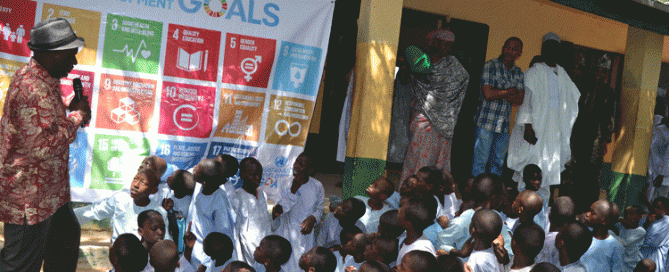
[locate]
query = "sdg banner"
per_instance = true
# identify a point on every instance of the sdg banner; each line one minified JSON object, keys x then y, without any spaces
{"x":183,"y":80}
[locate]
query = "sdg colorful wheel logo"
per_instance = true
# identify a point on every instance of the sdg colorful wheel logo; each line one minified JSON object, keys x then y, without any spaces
{"x":207,"y":9}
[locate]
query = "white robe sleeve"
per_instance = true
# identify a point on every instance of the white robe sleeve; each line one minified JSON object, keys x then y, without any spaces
{"x":222,"y":219}
{"x":233,"y":196}
{"x":98,"y":211}
{"x":320,"y":198}
{"x":288,"y":199}
{"x":524,"y":113}
{"x":455,"y":235}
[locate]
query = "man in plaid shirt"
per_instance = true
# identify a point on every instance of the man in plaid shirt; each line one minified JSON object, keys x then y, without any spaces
{"x":501,"y":88}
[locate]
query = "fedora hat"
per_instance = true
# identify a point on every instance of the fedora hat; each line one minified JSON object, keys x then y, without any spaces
{"x":54,"y":34}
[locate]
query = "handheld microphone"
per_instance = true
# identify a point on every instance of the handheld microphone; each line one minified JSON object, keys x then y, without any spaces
{"x":78,"y":91}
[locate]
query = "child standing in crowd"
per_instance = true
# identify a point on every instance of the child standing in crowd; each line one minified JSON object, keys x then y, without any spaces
{"x":300,"y":208}
{"x":182,"y":185}
{"x":606,"y":253}
{"x":253,"y":218}
{"x":348,"y":214}
{"x":378,"y":192}
{"x":533,"y":179}
{"x":414,"y":216}
{"x":123,"y":209}
{"x":486,"y":226}
{"x":272,"y":253}
{"x":631,"y":235}
{"x":210,"y":210}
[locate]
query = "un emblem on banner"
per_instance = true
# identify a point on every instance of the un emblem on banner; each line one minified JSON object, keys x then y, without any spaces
{"x":210,"y":12}
{"x":281,"y":161}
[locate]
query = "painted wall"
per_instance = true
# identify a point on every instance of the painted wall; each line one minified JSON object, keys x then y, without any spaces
{"x":530,"y":20}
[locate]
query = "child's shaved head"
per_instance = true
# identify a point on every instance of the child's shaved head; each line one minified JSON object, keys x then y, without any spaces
{"x":128,"y":254}
{"x":382,"y":249}
{"x":418,"y":261}
{"x":156,"y":163}
{"x":431,"y":175}
{"x":151,"y":176}
{"x":229,"y":164}
{"x":356,"y":247}
{"x":164,"y":256}
{"x":374,"y":266}
{"x":209,"y":171}
{"x":487,"y":225}
{"x":545,"y":267}
{"x":348,"y":233}
{"x":350,"y":210}
{"x":182,"y":183}
{"x":575,"y":238}
{"x":418,"y":212}
{"x":238,"y":266}
{"x":563,"y":211}
{"x":382,"y":188}
{"x":389,"y":226}
{"x":660,"y":205}
{"x":602,"y":213}
{"x":218,"y":246}
{"x":450,"y":263}
{"x":273,"y":249}
{"x":483,"y":188}
{"x":530,"y":202}
{"x":318,"y":258}
{"x":528,"y":240}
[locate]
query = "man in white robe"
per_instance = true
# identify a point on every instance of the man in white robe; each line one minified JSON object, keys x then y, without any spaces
{"x":544,"y":121}
{"x":656,"y":243}
{"x":658,"y":168}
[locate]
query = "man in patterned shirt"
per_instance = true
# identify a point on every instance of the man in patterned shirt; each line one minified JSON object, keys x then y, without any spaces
{"x":35,"y":134}
{"x":501,"y":88}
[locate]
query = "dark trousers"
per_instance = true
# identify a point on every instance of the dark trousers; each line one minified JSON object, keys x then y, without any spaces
{"x":54,"y":241}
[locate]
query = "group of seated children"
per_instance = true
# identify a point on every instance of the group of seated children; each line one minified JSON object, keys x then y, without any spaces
{"x":424,"y":227}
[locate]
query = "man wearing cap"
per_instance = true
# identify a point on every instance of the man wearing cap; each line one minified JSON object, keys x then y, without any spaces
{"x":35,"y":134}
{"x":544,"y":120}
{"x":439,"y":96}
{"x":501,"y":88}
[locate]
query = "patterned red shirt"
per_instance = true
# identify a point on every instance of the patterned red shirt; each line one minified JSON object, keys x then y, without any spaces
{"x":35,"y":135}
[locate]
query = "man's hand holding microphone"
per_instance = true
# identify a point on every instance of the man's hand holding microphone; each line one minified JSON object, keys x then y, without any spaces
{"x":80,"y":102}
